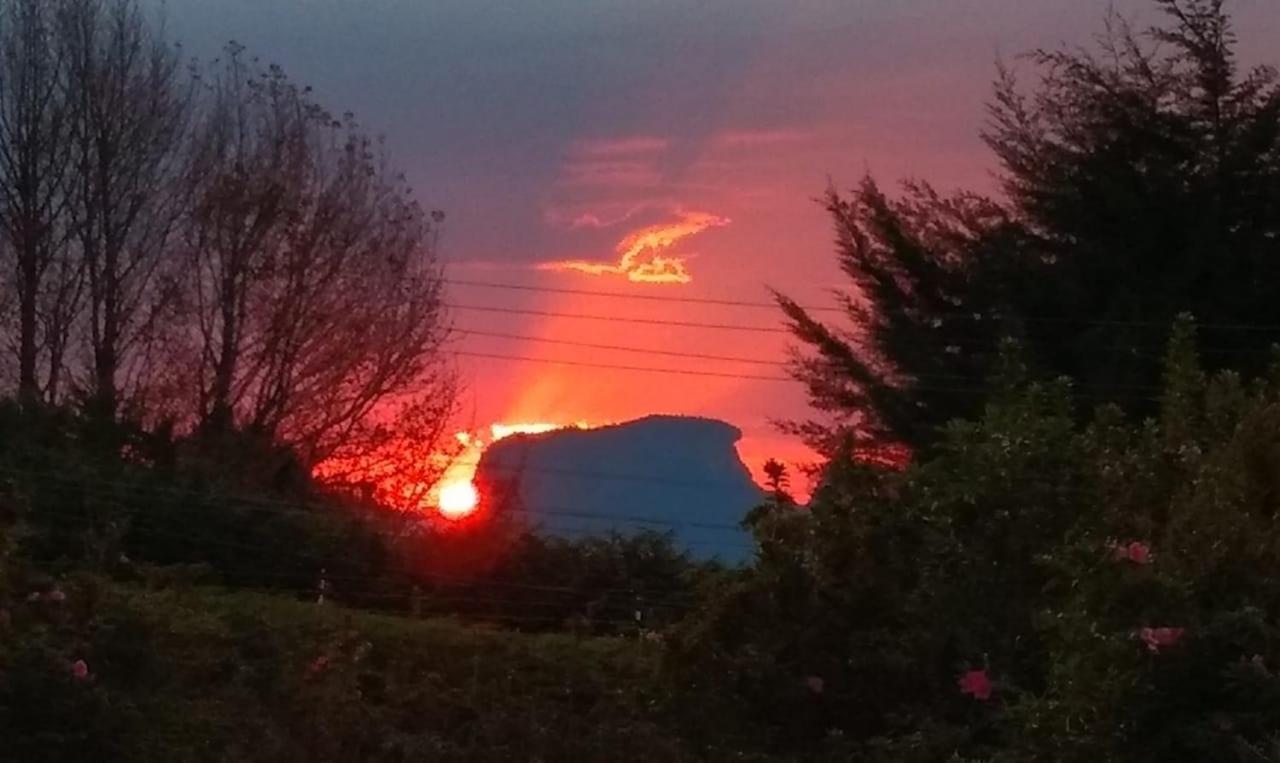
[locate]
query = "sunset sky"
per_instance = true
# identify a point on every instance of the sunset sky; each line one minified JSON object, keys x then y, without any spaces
{"x":657,"y":148}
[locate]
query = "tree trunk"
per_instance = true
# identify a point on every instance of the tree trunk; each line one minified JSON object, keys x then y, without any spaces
{"x":28,"y":344}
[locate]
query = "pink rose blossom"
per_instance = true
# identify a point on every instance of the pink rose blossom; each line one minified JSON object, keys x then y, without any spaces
{"x":1139,"y":553}
{"x":977,"y":684}
{"x":1159,"y":638}
{"x":57,"y":596}
{"x":80,"y":670}
{"x":317,"y":666}
{"x":1134,"y":551}
{"x":815,"y":684}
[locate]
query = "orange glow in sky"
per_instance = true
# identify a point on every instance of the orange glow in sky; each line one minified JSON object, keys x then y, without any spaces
{"x":457,"y":496}
{"x":640,"y":254}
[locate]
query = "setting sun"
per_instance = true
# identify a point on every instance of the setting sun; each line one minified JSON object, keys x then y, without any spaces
{"x":458,"y":499}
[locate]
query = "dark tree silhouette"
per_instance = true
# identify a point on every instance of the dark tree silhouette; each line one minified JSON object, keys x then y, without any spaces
{"x":313,"y":288}
{"x":1140,"y":181}
{"x":35,"y":170}
{"x":130,"y":110}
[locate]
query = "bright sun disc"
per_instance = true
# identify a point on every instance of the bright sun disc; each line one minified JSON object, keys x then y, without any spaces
{"x":458,"y":499}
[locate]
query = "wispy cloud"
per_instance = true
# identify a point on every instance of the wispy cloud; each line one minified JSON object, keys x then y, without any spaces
{"x":598,"y":215}
{"x":644,"y":254}
{"x":626,"y":162}
{"x":630,"y":145}
{"x":731,"y":139}
{"x":611,"y":173}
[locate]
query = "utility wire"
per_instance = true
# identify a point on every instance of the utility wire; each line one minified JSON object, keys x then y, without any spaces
{"x":756,"y":361}
{"x":311,"y":509}
{"x":615,"y":367}
{"x":958,"y":315}
{"x":623,"y":348}
{"x":942,"y":344}
{"x":620,"y":295}
{"x":321,"y":561}
{"x":619,"y":319}
{"x":978,"y":390}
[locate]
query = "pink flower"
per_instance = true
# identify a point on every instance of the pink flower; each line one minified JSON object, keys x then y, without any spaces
{"x":317,"y":666}
{"x":1139,"y":553}
{"x":80,"y":670}
{"x":1158,"y":638}
{"x":977,"y":684}
{"x":57,"y":596}
{"x":1134,"y":551}
{"x":815,"y":684}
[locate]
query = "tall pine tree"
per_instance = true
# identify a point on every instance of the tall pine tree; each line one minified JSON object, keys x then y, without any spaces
{"x":1140,"y":181}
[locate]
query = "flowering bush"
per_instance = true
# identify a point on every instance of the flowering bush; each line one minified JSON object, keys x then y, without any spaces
{"x":994,"y":550}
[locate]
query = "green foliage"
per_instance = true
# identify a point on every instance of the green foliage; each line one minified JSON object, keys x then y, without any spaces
{"x":173,"y":673}
{"x":113,"y":498}
{"x":604,"y":585}
{"x":193,"y":675}
{"x":1118,"y":582}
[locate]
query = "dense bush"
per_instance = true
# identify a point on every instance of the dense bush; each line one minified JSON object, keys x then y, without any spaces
{"x":110,"y":673}
{"x":1036,"y":590}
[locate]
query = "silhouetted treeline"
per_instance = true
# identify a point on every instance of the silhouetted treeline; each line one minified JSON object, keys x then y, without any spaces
{"x":209,"y":284}
{"x":202,"y":245}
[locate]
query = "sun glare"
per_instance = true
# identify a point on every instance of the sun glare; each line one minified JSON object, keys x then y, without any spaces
{"x":458,"y":499}
{"x":405,"y":477}
{"x":456,"y":496}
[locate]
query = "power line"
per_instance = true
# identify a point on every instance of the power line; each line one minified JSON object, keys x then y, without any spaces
{"x":955,"y":315}
{"x":755,"y":361}
{"x":620,"y":295}
{"x":279,"y":551}
{"x":615,"y":367}
{"x":617,"y":476}
{"x":623,"y":348}
{"x":619,"y":319}
{"x":979,"y":390}
{"x":939,"y":344}
{"x":312,"y":508}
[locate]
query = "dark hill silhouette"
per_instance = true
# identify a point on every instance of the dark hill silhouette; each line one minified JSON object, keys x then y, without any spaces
{"x":682,"y":474}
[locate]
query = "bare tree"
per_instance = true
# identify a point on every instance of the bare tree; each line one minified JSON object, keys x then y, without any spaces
{"x":246,"y":158}
{"x":129,"y":110}
{"x":316,"y":292}
{"x":35,"y":166}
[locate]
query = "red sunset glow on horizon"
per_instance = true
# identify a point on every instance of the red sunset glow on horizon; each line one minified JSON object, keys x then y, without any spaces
{"x":456,"y":496}
{"x":685,"y":166}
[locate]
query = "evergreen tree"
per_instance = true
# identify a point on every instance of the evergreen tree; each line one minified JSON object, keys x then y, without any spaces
{"x":1140,"y":182}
